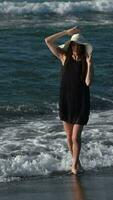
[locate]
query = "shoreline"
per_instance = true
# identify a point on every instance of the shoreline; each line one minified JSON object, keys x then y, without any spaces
{"x":89,"y":185}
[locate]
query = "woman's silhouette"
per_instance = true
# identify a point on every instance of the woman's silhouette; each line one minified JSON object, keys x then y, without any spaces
{"x":74,"y":95}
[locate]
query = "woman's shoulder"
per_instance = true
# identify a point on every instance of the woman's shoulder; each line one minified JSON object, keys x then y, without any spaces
{"x":63,"y":59}
{"x":62,"y":56}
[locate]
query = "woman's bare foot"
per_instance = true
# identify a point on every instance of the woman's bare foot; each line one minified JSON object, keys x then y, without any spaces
{"x":74,"y":170}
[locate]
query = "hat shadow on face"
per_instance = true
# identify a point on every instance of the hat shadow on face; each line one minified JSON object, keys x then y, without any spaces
{"x":77,"y":39}
{"x":74,"y":45}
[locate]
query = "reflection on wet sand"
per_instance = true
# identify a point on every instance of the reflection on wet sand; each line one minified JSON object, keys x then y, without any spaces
{"x":77,"y":188}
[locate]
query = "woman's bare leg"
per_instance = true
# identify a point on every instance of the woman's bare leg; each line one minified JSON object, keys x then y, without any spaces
{"x":69,"y":130}
{"x":76,"y":140}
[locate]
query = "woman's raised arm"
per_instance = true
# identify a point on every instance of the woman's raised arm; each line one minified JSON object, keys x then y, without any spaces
{"x":50,"y":41}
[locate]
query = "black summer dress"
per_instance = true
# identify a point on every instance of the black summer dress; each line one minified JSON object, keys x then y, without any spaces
{"x":74,"y":94}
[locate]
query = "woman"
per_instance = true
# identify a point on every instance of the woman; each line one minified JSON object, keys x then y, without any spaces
{"x":74,"y":97}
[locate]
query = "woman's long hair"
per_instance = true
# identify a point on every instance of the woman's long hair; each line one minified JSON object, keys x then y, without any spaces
{"x":81,"y":53}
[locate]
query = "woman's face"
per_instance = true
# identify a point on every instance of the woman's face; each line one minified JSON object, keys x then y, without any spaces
{"x":74,"y":47}
{"x":77,"y":49}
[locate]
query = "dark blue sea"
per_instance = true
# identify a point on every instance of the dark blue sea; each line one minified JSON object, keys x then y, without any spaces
{"x":32,"y":139}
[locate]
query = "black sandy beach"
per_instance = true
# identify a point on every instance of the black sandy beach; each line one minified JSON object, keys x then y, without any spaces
{"x":87,"y":186}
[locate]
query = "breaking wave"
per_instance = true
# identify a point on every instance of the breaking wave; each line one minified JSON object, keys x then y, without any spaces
{"x":26,"y":8}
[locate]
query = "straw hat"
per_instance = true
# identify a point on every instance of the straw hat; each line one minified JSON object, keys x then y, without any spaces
{"x":79,"y":39}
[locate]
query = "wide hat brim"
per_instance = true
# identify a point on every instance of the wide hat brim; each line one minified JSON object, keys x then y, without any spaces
{"x":79,"y":39}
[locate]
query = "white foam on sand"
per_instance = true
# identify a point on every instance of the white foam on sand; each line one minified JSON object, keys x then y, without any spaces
{"x":39,"y":147}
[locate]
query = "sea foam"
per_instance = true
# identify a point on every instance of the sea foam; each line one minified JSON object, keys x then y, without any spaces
{"x":39,"y":147}
{"x":57,"y":7}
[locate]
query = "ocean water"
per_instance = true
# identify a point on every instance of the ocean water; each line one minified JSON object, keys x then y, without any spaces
{"x":32,"y":139}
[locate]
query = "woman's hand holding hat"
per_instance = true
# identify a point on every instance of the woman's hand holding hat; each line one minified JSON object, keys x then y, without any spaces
{"x":73,"y":30}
